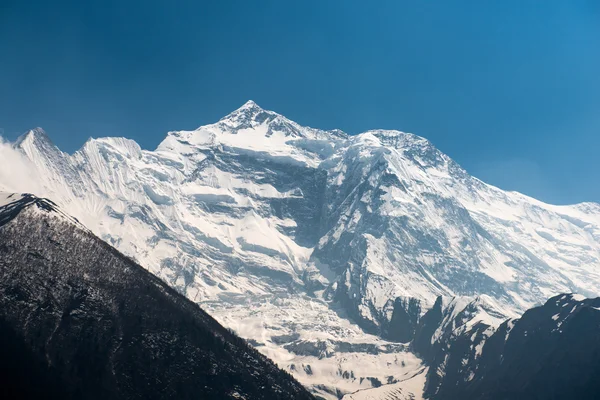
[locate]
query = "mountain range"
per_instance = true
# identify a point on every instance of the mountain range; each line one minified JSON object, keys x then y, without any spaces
{"x":330,"y":253}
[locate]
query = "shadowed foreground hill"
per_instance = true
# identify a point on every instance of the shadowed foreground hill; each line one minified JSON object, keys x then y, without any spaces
{"x":78,"y":320}
{"x":550,"y":352}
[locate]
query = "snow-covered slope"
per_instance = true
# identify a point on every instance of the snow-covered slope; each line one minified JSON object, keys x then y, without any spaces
{"x":302,"y":240}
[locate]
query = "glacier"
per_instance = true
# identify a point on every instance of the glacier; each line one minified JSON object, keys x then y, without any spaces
{"x":323,"y":249}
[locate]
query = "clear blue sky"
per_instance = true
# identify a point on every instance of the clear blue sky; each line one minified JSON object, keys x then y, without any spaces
{"x":508,"y":88}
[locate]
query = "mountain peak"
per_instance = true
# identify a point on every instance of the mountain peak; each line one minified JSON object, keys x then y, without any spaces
{"x":36,"y":143}
{"x":250,"y":104}
{"x":124,"y":146}
{"x":249,"y":107}
{"x":38,"y":131}
{"x":248,"y":113}
{"x":35,"y":134}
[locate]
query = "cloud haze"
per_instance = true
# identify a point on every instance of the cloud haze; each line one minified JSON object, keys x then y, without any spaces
{"x":17,"y":173}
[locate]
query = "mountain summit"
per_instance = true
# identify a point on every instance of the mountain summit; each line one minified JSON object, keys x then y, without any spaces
{"x":247,"y":112}
{"x":35,"y":134}
{"x":323,"y":249}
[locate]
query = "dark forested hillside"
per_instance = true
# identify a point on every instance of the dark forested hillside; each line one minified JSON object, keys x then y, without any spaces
{"x":78,"y":320}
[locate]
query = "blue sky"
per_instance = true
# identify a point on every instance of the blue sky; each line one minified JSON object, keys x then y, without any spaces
{"x":510,"y":89}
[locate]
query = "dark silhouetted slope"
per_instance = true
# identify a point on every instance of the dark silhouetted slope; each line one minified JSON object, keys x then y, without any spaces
{"x":78,"y":320}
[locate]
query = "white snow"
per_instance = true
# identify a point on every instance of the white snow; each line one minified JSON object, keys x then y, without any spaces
{"x":7,"y":198}
{"x":555,"y":317}
{"x":578,"y":297}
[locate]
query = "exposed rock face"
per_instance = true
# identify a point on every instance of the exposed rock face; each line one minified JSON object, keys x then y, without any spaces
{"x":78,"y":320}
{"x":405,"y":316}
{"x":551,"y":352}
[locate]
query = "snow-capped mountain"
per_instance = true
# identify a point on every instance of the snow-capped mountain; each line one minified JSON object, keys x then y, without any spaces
{"x":323,"y":249}
{"x":79,"y":320}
